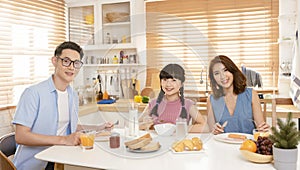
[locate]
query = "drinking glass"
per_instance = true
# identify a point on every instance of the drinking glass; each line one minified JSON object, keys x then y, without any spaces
{"x":87,"y":139}
{"x":181,"y":128}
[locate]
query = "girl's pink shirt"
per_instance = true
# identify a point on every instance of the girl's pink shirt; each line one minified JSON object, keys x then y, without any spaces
{"x":168,"y":112}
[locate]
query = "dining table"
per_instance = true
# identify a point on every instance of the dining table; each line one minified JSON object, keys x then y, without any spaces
{"x":216,"y":154}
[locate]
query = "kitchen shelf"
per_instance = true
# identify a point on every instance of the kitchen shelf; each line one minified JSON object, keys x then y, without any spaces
{"x":113,"y":65}
{"x":109,"y":47}
{"x":116,"y":24}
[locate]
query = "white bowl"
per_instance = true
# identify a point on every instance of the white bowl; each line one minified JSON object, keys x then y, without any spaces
{"x":166,"y":129}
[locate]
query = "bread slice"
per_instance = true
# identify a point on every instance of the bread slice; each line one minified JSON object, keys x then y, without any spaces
{"x":152,"y":146}
{"x":134,"y":141}
{"x":140,"y":144}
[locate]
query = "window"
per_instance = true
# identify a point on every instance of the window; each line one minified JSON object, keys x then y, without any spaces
{"x":192,"y":32}
{"x":30,"y":31}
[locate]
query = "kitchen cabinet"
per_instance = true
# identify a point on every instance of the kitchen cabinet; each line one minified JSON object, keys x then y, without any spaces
{"x":105,"y":29}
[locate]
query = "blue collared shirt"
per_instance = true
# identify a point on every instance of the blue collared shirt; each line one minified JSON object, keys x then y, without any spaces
{"x":37,"y":109}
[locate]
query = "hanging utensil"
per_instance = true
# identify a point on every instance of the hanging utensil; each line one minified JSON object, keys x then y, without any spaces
{"x":105,"y":94}
{"x":201,"y":78}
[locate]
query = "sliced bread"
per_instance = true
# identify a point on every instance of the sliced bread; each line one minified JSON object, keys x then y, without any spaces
{"x":137,"y":140}
{"x":140,"y":144}
{"x":152,"y":146}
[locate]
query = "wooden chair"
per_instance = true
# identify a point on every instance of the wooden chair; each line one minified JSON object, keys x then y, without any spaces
{"x":7,"y":148}
{"x":5,"y":163}
{"x":276,"y":102}
{"x":8,"y":144}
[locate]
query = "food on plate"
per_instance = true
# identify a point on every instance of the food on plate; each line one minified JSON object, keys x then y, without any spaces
{"x":143,"y":143}
{"x":237,"y":136}
{"x":178,"y":146}
{"x":264,"y":146}
{"x":134,"y":141}
{"x":263,"y":150}
{"x":188,"y":144}
{"x":249,"y":145}
{"x":194,"y":144}
{"x":140,"y":144}
{"x":152,"y":146}
{"x":197,"y":143}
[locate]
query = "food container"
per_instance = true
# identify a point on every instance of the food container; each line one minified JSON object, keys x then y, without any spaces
{"x":114,"y":140}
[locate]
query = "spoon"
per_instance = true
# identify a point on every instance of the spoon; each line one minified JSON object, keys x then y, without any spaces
{"x":201,"y":79}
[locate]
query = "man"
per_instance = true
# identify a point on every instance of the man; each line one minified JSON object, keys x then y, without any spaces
{"x":47,"y":113}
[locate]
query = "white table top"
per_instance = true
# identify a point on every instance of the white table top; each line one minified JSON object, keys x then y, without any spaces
{"x":216,"y":155}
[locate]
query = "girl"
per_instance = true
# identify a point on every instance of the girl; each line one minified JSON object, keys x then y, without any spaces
{"x":171,"y":103}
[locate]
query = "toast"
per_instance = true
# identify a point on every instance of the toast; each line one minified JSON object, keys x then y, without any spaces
{"x":134,"y":141}
{"x":152,"y":146}
{"x":237,"y":136}
{"x":140,"y":144}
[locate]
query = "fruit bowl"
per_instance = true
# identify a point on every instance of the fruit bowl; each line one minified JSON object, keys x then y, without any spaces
{"x":166,"y":129}
{"x":255,"y":157}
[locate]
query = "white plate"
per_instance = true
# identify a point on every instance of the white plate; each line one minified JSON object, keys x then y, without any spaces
{"x":141,"y":151}
{"x":188,"y":152}
{"x":224,"y":138}
{"x":102,"y":138}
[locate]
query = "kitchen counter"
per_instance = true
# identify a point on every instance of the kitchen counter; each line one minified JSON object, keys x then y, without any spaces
{"x":87,"y":109}
{"x":121,"y":105}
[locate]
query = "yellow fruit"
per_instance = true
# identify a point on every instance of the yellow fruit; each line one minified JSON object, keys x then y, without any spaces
{"x":249,"y":145}
{"x":138,"y":98}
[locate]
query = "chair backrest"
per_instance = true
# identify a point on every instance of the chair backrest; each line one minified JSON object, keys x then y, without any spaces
{"x":5,"y":163}
{"x":276,"y":102}
{"x":8,"y":144}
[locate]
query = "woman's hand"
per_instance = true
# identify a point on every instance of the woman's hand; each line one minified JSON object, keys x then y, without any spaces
{"x":218,"y":129}
{"x":263,"y":127}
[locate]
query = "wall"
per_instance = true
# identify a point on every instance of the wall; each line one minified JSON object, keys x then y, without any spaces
{"x":6,"y":116}
{"x":287,"y":24}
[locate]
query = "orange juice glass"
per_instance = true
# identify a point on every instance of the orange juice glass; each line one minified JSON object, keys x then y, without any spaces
{"x":87,"y":139}
{"x":257,"y":133}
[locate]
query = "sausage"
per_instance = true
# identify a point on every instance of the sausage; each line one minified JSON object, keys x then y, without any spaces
{"x":237,"y":136}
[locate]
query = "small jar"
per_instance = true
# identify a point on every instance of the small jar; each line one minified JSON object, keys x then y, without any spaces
{"x":114,"y":140}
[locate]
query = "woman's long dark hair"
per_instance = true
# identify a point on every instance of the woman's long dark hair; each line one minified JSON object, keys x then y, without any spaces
{"x":171,"y":71}
{"x":239,"y":79}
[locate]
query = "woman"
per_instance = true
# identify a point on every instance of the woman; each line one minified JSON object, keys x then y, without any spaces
{"x":171,"y":103}
{"x":231,"y":101}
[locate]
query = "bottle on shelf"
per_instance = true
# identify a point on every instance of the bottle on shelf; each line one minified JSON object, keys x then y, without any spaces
{"x":115,"y":39}
{"x":121,"y":57}
{"x":100,"y":93}
{"x":115,"y":60}
{"x":107,"y":38}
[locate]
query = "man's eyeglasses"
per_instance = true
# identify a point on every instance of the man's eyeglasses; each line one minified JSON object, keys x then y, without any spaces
{"x":67,"y":62}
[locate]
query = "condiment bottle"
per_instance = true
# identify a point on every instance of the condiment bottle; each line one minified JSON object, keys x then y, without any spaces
{"x":115,"y":60}
{"x":114,"y":140}
{"x":100,"y":94}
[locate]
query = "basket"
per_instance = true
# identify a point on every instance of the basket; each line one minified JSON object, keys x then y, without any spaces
{"x":257,"y":158}
{"x":117,"y":17}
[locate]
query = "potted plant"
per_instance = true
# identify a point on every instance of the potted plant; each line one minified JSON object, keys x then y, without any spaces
{"x":285,"y":139}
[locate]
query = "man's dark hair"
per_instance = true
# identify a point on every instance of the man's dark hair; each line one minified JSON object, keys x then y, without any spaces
{"x":68,"y":45}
